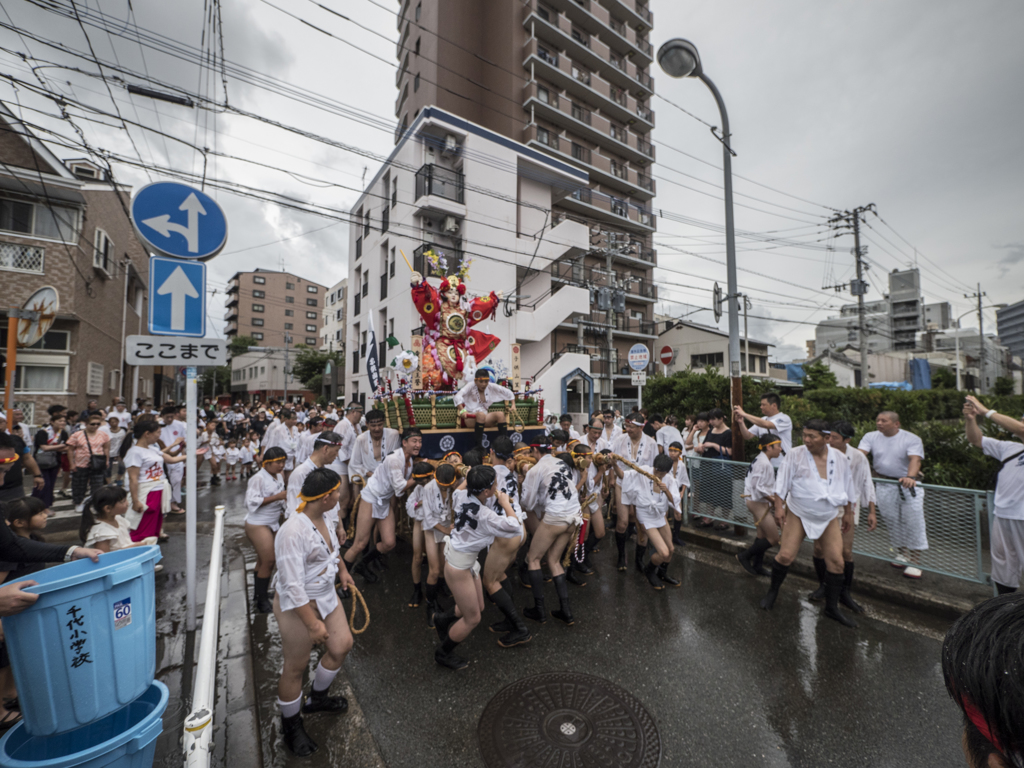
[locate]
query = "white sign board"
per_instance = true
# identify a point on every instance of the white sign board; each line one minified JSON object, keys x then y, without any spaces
{"x":175,"y":350}
{"x":638,"y":378}
{"x":639,"y":357}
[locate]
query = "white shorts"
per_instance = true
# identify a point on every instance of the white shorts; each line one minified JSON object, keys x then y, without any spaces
{"x":904,"y":517}
{"x":381,"y":507}
{"x":462,"y":561}
{"x":1007,"y":551}
{"x":438,"y":536}
{"x":562,"y":517}
{"x":269,"y":519}
{"x":651,"y":518}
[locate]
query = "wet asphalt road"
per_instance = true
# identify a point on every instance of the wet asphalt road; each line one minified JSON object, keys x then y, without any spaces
{"x":727,"y":683}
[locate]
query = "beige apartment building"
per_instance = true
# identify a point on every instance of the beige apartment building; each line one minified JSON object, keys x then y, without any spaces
{"x":268,"y":305}
{"x":570,"y":78}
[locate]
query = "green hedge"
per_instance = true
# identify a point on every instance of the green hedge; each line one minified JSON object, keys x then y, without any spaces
{"x":936,"y":415}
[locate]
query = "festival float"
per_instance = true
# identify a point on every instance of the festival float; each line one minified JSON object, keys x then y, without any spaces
{"x":419,"y":382}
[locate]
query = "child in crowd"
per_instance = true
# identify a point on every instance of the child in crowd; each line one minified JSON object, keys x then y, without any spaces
{"x":104,"y":526}
{"x":115,"y":469}
{"x":233,"y":456}
{"x":245,"y":459}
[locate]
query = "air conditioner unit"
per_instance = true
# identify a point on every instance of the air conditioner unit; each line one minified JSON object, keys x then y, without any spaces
{"x":451,"y":225}
{"x":451,"y":145}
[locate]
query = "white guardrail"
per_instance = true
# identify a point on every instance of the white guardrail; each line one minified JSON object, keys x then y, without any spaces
{"x":198,"y":735}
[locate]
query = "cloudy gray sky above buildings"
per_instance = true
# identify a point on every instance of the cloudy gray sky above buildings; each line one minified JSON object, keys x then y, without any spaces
{"x":915,"y":106}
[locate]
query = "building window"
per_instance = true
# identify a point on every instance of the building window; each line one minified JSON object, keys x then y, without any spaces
{"x":419,"y":9}
{"x":544,"y":95}
{"x":257,"y":321}
{"x":290,"y":286}
{"x":703,"y":361}
{"x":311,"y":315}
{"x":259,"y":280}
{"x":544,"y":13}
{"x":52,"y":221}
{"x":289,"y":313}
{"x":311,"y":289}
{"x":288,"y":326}
{"x":289,"y":299}
{"x":42,"y":378}
{"x":94,"y":379}
{"x":310,"y":329}
{"x":103,"y":252}
{"x":257,"y":335}
{"x":394,"y":192}
{"x":417,"y":49}
{"x":311,"y":302}
{"x":257,"y":307}
{"x":23,"y":258}
{"x":544,"y":136}
{"x":259,"y":294}
{"x":16,"y":217}
{"x":310,"y":342}
{"x":416,"y":83}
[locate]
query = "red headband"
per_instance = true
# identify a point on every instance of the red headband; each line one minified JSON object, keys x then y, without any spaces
{"x":979,"y":721}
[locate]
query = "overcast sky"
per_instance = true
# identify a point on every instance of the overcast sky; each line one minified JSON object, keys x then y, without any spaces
{"x":915,"y":106}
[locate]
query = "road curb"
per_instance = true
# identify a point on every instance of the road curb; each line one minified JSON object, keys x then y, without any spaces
{"x":934,"y":603}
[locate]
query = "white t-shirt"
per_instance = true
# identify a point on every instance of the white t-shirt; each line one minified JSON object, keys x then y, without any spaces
{"x":119,"y":537}
{"x":668,"y":435}
{"x":124,"y":417}
{"x":171,"y":432}
{"x":890,"y":456}
{"x":783,"y":428}
{"x":1009,"y":499}
{"x":150,"y":462}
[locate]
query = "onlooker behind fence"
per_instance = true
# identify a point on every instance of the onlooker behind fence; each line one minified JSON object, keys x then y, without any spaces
{"x":90,"y":453}
{"x":1007,"y":533}
{"x":48,"y":448}
{"x":717,"y":445}
{"x":774,"y":421}
{"x":668,"y":434}
{"x":896,"y":455}
{"x":982,"y":657}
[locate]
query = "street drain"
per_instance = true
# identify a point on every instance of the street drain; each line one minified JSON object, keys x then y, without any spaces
{"x":567,"y":719}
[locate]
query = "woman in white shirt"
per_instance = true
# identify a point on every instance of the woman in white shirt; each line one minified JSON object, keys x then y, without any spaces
{"x":264,"y":504}
{"x":307,"y":608}
{"x":476,"y":525}
{"x":759,"y":490}
{"x":149,"y":492}
{"x":816,"y":483}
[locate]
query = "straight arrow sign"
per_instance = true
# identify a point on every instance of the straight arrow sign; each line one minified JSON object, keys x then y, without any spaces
{"x":179,"y":287}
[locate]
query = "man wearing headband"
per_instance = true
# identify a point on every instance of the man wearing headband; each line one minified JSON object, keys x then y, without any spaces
{"x":305,"y":445}
{"x":773,"y":421}
{"x":639,"y":449}
{"x":348,"y":428}
{"x":759,"y":490}
{"x":842,"y":434}
{"x":1008,"y":526}
{"x":325,"y":451}
{"x":475,"y":399}
{"x":816,"y":483}
{"x":370,"y":448}
{"x":897,"y":455}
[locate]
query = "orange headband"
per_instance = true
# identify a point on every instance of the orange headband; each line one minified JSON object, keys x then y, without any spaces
{"x":9,"y":461}
{"x":451,"y":453}
{"x":445,"y":485}
{"x":302,"y":504}
{"x":420,"y":477}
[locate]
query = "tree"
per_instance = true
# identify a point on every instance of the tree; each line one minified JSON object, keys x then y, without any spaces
{"x":240,"y":344}
{"x":819,"y":376}
{"x":215,"y":380}
{"x":943,"y":378}
{"x":308,"y":366}
{"x":1003,"y":386}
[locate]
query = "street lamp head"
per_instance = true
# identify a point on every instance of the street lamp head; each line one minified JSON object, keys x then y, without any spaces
{"x":679,"y":58}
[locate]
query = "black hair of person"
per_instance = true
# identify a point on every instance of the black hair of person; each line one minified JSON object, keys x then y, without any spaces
{"x":320,"y":481}
{"x":373,"y":416}
{"x":482,"y":374}
{"x":559,"y":435}
{"x":54,"y":409}
{"x":6,"y":442}
{"x":716,"y":413}
{"x":818,"y":425}
{"x":274,"y":452}
{"x":564,"y":418}
{"x":327,"y":438}
{"x":169,"y":410}
{"x":502,"y":447}
{"x":23,"y":508}
{"x":582,"y":449}
{"x":702,"y":416}
{"x":315,"y":421}
{"x":663,"y":463}
{"x":141,"y":428}
{"x":676,"y":444}
{"x":474,"y":457}
{"x":766,"y":439}
{"x":656,"y":417}
{"x":595,"y":425}
{"x":605,"y":451}
{"x":423,"y":468}
{"x":410,"y":432}
{"x":480,"y":479}
{"x":566,"y":458}
{"x":107,"y":496}
{"x":287,"y":413}
{"x":983,"y":668}
{"x":772,"y":398}
{"x":444,"y":473}
{"x":845,"y":429}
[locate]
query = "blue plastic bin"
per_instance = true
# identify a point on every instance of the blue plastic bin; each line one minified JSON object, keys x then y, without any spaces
{"x":124,"y":739}
{"x":87,"y":647}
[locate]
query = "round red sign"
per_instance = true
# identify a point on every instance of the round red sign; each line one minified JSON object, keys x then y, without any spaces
{"x":666,"y":355}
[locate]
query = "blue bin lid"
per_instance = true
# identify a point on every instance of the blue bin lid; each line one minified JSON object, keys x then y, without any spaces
{"x":79,"y":572}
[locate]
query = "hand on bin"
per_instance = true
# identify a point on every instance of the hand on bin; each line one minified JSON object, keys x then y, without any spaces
{"x":13,"y":598}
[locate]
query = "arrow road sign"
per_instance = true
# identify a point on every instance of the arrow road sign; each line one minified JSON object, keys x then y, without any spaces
{"x":156,"y":213}
{"x":177,"y":301}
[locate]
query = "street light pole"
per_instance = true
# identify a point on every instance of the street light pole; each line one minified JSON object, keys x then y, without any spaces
{"x":679,"y":58}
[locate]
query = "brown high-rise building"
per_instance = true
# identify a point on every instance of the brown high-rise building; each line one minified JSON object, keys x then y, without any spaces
{"x":268,"y":305}
{"x":571,"y":78}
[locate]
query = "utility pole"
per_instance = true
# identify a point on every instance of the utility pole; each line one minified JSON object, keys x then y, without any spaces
{"x":979,"y":295}
{"x":859,"y":287}
{"x":746,"y":336}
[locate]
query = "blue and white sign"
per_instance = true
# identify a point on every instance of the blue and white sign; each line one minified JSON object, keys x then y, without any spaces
{"x":177,"y":297}
{"x":178,"y":220}
{"x":639,"y":357}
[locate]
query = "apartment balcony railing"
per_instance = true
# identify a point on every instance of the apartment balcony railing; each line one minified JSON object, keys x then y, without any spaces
{"x":581,"y":37}
{"x":580,"y":113}
{"x":581,"y":74}
{"x":618,"y":95}
{"x":581,"y":153}
{"x":548,"y":56}
{"x":21,"y":258}
{"x":617,"y":26}
{"x":644,"y":13}
{"x":645,"y":146}
{"x":547,"y":138}
{"x":644,"y":113}
{"x":619,"y":207}
{"x":644,"y":46}
{"x":442,"y":182}
{"x":618,"y":169}
{"x":616,"y":62}
{"x":646,"y":182}
{"x":644,"y":79}
{"x":583,"y":195}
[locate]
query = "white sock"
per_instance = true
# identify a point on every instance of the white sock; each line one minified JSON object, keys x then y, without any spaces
{"x":290,"y":708}
{"x":324,"y":677}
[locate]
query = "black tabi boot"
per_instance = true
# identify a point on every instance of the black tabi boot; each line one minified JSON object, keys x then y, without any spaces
{"x":536,"y":612}
{"x":585,"y":566}
{"x":518,"y":634}
{"x":757,"y":559}
{"x":260,"y":588}
{"x":833,"y":587}
{"x":503,"y":429}
{"x":478,"y":433}
{"x":819,"y":569}
{"x":572,"y":578}
{"x":215,"y":480}
{"x":779,"y":572}
{"x":845,"y":597}
{"x":432,"y":606}
{"x":748,"y":557}
{"x":651,"y":572}
{"x":445,"y":656}
{"x":443,"y":622}
{"x":677,"y":536}
{"x":638,"y":556}
{"x":663,"y":575}
{"x":562,"y":590}
{"x":320,"y":701}
{"x":620,"y":543}
{"x":295,"y":736}
{"x":363,"y":567}
{"x":417,"y":595}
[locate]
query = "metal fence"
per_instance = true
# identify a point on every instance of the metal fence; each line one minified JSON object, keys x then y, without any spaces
{"x":953,"y":517}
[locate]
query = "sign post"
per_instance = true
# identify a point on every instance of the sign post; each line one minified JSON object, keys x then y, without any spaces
{"x":190,"y":502}
{"x":639,"y":359}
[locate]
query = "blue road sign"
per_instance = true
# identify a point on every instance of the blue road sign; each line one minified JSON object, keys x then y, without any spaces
{"x":178,"y":220}
{"x":177,"y":297}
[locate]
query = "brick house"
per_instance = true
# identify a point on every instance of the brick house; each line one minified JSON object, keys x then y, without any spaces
{"x":62,"y":224}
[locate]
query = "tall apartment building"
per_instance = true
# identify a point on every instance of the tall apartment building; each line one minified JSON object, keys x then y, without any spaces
{"x":268,"y":304}
{"x":332,"y":334}
{"x":1010,"y":327}
{"x":572,"y":79}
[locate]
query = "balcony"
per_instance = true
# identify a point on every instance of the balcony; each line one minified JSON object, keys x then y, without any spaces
{"x":580,"y":153}
{"x":646,"y":147}
{"x":637,"y":15}
{"x":233,"y":285}
{"x":581,"y":74}
{"x":595,"y":19}
{"x":231,"y":314}
{"x":619,"y":170}
{"x":646,"y":182}
{"x":582,"y":114}
{"x":453,"y":257}
{"x":441,"y":182}
{"x":232,"y":300}
{"x":546,"y":56}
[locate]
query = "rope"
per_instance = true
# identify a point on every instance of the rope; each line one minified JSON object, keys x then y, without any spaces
{"x":357,"y":600}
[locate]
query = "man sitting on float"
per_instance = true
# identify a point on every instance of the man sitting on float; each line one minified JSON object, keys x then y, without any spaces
{"x":475,"y":399}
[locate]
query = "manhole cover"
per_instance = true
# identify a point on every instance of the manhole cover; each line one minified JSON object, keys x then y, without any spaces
{"x":568,"y":720}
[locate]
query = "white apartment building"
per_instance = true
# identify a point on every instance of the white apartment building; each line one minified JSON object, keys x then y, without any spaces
{"x":455,"y":187}
{"x":332,"y":335}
